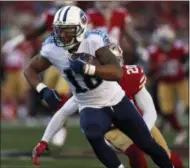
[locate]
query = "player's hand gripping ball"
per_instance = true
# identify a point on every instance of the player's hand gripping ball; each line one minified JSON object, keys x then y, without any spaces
{"x":79,"y":61}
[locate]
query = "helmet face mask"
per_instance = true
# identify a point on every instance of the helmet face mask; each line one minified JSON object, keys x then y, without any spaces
{"x":65,"y":36}
{"x":69,"y":27}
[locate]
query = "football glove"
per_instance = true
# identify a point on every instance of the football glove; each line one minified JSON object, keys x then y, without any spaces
{"x":50,"y":96}
{"x":80,"y":66}
{"x":77,"y":65}
{"x":38,"y":150}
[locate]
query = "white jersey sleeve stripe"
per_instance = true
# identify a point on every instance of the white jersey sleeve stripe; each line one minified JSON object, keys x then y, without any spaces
{"x":142,"y":79}
{"x":142,"y":84}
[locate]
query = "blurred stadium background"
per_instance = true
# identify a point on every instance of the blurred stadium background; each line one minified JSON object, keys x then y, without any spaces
{"x":24,"y":117}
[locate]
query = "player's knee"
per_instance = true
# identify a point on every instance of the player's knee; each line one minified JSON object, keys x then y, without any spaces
{"x":93,"y":131}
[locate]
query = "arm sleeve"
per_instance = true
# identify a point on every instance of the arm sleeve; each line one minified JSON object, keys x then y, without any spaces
{"x":59,"y":119}
{"x":145,"y":103}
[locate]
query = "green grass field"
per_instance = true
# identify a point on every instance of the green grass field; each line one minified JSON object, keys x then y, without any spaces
{"x":76,"y":153}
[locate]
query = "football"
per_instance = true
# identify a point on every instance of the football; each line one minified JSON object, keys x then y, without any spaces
{"x":86,"y":58}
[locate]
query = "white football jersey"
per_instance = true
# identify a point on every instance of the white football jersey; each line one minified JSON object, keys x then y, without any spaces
{"x":88,"y":91}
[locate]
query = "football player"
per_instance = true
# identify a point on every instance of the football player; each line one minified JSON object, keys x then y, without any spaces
{"x":94,"y":87}
{"x":14,"y":87}
{"x":167,"y":57}
{"x":117,"y":21}
{"x":133,"y":83}
{"x":52,"y":77}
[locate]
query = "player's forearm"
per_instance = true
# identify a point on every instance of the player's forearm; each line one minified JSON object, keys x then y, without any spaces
{"x":109,"y":72}
{"x":110,"y":68}
{"x":32,"y":71}
{"x":32,"y":76}
{"x":145,"y":103}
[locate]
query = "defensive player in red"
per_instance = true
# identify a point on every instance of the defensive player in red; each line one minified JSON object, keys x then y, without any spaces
{"x":167,"y":59}
{"x":133,"y":83}
{"x":117,"y":21}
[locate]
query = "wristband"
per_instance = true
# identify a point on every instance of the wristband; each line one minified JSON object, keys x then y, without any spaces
{"x":90,"y":69}
{"x":40,"y":86}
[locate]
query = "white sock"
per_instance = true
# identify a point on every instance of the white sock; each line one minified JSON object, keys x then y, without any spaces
{"x":54,"y":125}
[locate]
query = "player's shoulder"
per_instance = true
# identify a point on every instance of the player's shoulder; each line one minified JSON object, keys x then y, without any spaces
{"x":47,"y":46}
{"x":96,"y":36}
{"x":49,"y":41}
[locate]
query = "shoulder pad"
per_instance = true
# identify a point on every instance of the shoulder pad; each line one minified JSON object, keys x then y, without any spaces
{"x":48,"y":40}
{"x":47,"y":46}
{"x":101,"y":33}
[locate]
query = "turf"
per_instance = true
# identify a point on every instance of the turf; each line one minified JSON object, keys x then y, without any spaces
{"x":76,"y":153}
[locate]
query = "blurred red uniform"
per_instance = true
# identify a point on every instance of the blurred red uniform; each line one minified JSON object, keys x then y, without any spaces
{"x":47,"y":18}
{"x":132,"y":82}
{"x":15,"y":87}
{"x":114,"y":21}
{"x":171,"y":76}
{"x":168,"y":66}
{"x":172,"y":82}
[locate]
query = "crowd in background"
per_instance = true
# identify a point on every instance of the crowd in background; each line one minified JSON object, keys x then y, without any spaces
{"x":146,"y":15}
{"x":17,"y":17}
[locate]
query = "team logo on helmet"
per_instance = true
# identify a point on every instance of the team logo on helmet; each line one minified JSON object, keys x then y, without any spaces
{"x":83,"y":17}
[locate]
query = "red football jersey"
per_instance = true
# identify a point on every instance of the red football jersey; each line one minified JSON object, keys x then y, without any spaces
{"x":114,"y":25}
{"x":133,"y":80}
{"x":168,"y":66}
{"x":48,"y":17}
